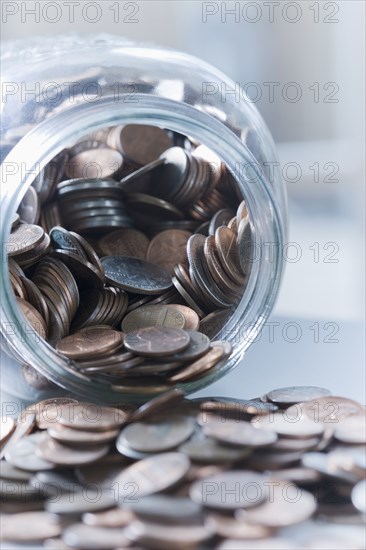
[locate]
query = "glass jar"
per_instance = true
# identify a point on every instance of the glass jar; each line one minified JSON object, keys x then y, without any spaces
{"x":57,"y":91}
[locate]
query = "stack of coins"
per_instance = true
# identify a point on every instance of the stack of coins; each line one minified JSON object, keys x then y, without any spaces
{"x":128,"y":232}
{"x":274,"y":472}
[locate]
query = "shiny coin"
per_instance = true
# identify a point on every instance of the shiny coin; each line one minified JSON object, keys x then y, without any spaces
{"x":192,"y":319}
{"x":60,"y":454}
{"x":124,"y":242}
{"x":7,"y":426}
{"x":250,"y":490}
{"x":153,"y":316}
{"x":23,"y":454}
{"x":209,"y":451}
{"x":296,"y":394}
{"x":157,"y":341}
{"x":91,"y":341}
{"x":136,"y":275}
{"x":238,"y":433}
{"x":288,"y":505}
{"x":63,"y":240}
{"x":287,"y":426}
{"x":152,"y":475}
{"x":169,"y":248}
{"x":29,"y":527}
{"x":88,"y":416}
{"x":158,"y":436}
{"x":359,"y":496}
{"x":24,"y":238}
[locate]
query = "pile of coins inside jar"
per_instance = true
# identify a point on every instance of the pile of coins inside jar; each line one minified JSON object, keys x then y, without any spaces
{"x":128,"y":254}
{"x":283,"y":471}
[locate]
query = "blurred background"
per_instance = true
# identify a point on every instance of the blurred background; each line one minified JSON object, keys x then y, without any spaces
{"x":302,"y":64}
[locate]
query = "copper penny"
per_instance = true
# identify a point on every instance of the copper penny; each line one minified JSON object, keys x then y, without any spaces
{"x":169,"y":248}
{"x":89,"y":342}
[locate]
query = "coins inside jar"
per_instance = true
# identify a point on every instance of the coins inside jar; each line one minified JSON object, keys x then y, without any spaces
{"x":134,"y":233}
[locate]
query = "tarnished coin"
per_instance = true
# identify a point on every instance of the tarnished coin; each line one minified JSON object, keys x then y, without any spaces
{"x":142,"y":144}
{"x":85,"y":273}
{"x":23,"y":454}
{"x":24,"y":238}
{"x":7,"y":426}
{"x":80,"y":535}
{"x":238,"y":433}
{"x":359,"y":496}
{"x":33,"y":317}
{"x":29,"y":527}
{"x":169,"y":248}
{"x":29,"y":208}
{"x":157,"y":341}
{"x":159,"y":436}
{"x":152,"y":475}
{"x":288,"y":505}
{"x":296,"y":394}
{"x":57,"y":453}
{"x":136,"y":275}
{"x":287,"y":426}
{"x":88,"y":416}
{"x":90,"y":342}
{"x":124,"y":242}
{"x":153,"y":316}
{"x":250,"y":490}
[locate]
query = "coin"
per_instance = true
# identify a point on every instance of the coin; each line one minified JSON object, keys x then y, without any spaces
{"x":250,"y":490}
{"x":85,"y":273}
{"x":142,"y":144}
{"x":288,"y":505}
{"x":229,"y":527}
{"x":296,"y":394}
{"x":228,"y":253}
{"x":159,"y":436}
{"x":64,"y":240}
{"x":359,"y":496}
{"x":201,"y":365}
{"x":157,"y":405}
{"x":168,"y":248}
{"x":88,"y":416}
{"x":79,"y":535}
{"x":23,"y":454}
{"x":125,"y":242}
{"x":116,"y":517}
{"x":33,"y":317}
{"x":168,"y":536}
{"x":192,"y":319}
{"x":156,"y":341}
{"x":198,"y":346}
{"x":7,"y":426}
{"x":79,"y":437}
{"x":91,"y":341}
{"x":136,"y":275}
{"x":209,"y":451}
{"x":152,"y":475}
{"x":167,"y":509}
{"x":29,"y":527}
{"x":287,"y":426}
{"x":29,"y":208}
{"x":238,"y":433}
{"x":352,"y":429}
{"x":91,"y":500}
{"x":153,"y":316}
{"x":57,"y":453}
{"x":23,"y":238}
{"x":328,"y":410}
{"x":87,"y":164}
{"x":152,"y":207}
{"x":23,"y":428}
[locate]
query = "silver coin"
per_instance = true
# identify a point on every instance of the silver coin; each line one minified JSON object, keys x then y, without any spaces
{"x":136,"y":275}
{"x":359,"y":496}
{"x":158,"y":436}
{"x":23,"y":454}
{"x":296,"y":394}
{"x":230,"y":490}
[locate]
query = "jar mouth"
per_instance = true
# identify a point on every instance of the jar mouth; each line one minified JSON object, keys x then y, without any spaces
{"x":62,"y":130}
